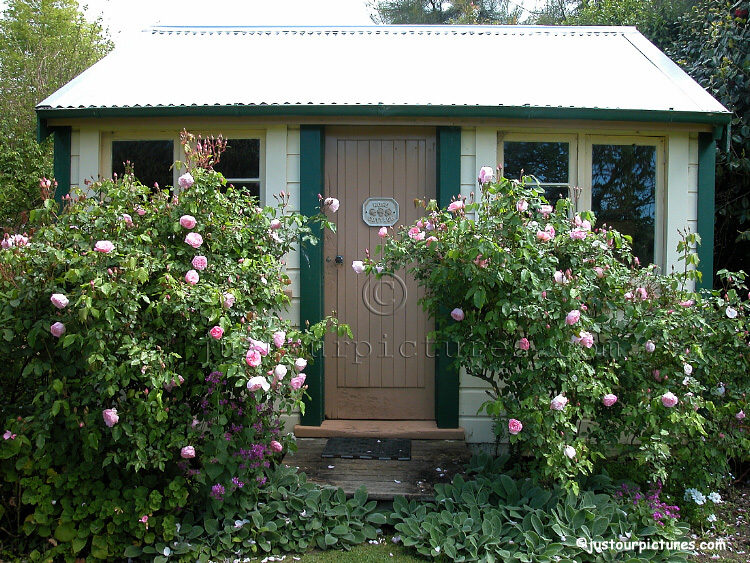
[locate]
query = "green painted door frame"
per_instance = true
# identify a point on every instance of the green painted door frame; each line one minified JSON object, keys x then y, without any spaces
{"x":706,"y":207}
{"x":61,"y":162}
{"x":312,"y":166}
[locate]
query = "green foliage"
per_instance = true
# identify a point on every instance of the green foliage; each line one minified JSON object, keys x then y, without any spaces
{"x":190,"y":434}
{"x":432,"y":12}
{"x":496,"y":517}
{"x":43,"y":45}
{"x":577,"y":342}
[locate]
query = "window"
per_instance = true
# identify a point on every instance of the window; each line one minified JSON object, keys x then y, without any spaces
{"x":151,"y":160}
{"x":625,"y":176}
{"x":549,"y":160}
{"x":240,"y":164}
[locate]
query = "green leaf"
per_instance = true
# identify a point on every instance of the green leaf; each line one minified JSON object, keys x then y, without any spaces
{"x":330,"y":540}
{"x":65,"y":532}
{"x":211,"y":525}
{"x":133,"y":551}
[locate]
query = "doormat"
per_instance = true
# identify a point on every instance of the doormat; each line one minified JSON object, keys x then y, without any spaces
{"x":368,"y":448}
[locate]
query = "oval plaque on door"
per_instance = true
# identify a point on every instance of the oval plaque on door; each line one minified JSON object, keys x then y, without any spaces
{"x":380,"y":211}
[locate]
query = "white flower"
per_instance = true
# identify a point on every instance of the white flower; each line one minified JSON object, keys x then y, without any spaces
{"x":570,"y":451}
{"x":731,"y":312}
{"x":332,"y":203}
{"x":437,"y":549}
{"x":721,"y":390}
{"x":711,"y":518}
{"x":558,"y":403}
{"x":280,"y":371}
{"x":715,"y":498}
{"x":358,"y":266}
{"x":687,"y":369}
{"x":686,"y":381}
{"x":650,"y":347}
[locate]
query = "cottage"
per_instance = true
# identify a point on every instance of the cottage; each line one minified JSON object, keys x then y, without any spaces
{"x":377,"y":116}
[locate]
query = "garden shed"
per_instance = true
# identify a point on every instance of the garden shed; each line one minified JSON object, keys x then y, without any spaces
{"x":378,"y":116}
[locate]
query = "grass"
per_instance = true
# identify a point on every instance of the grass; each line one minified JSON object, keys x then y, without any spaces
{"x":365,"y":553}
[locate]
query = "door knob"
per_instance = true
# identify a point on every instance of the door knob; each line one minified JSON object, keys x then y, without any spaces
{"x":339,"y":259}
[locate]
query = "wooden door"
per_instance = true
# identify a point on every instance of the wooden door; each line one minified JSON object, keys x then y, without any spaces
{"x":387,"y":371}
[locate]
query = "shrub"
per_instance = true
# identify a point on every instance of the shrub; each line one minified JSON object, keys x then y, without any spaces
{"x":146,"y":366}
{"x":586,"y":353}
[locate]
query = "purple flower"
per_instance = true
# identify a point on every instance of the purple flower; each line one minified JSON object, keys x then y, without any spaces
{"x":217,"y":491}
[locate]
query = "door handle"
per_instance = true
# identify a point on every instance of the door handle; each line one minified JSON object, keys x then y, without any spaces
{"x":338,"y":260}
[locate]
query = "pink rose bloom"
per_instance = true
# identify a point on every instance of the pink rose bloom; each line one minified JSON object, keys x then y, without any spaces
{"x":577,"y":221}
{"x":577,"y":234}
{"x":514,"y":426}
{"x":628,"y":295}
{"x":650,"y":347}
{"x":217,"y":332}
{"x":332,"y":203}
{"x":275,"y":224}
{"x":585,"y":225}
{"x":383,"y":232}
{"x":457,"y":314}
{"x":573,"y":317}
{"x":641,"y":293}
{"x":543,"y":236}
{"x":523,"y":343}
{"x":228,"y":300}
{"x":143,"y":519}
{"x":455,"y":205}
{"x":57,"y":329}
{"x":550,"y":229}
{"x":559,"y":277}
{"x":262,"y":347}
{"x":430,"y":240}
{"x":298,"y":381}
{"x":558,"y":403}
{"x":609,"y":399}
{"x":570,"y":452}
{"x":194,"y":239}
{"x":586,"y":339}
{"x":104,"y":246}
{"x":688,"y":303}
{"x":669,"y":400}
{"x":140,"y":211}
{"x":276,"y":446}
{"x":186,"y":181}
{"x":545,"y":210}
{"x":522,"y":205}
{"x":110,"y":417}
{"x":192,"y":277}
{"x":280,"y":371}
{"x":128,"y":219}
{"x":258,"y":382}
{"x":416,"y":234}
{"x":279,"y":338}
{"x":9,"y":435}
{"x":300,"y":364}
{"x":358,"y":266}
{"x":59,"y":300}
{"x":188,"y":221}
{"x":200,"y":263}
{"x":656,"y":374}
{"x":599,"y":272}
{"x":188,"y":452}
{"x":253,"y":358}
{"x":740,"y":415}
{"x":485,"y":174}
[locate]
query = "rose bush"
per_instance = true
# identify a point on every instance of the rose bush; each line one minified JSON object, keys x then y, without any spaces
{"x":127,"y":396}
{"x":585,"y":353}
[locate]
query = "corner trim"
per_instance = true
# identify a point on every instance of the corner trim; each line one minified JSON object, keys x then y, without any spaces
{"x":61,"y":162}
{"x":706,"y":207}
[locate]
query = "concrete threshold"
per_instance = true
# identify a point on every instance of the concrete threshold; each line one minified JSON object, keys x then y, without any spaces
{"x":412,"y":429}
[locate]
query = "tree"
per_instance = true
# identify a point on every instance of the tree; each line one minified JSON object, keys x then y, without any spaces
{"x":440,"y":12}
{"x":43,"y":45}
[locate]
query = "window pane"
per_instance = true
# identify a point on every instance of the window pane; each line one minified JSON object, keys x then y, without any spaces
{"x":547,"y":161}
{"x":623,"y":193}
{"x":252,"y":188}
{"x":151,"y":160}
{"x":241,"y":159}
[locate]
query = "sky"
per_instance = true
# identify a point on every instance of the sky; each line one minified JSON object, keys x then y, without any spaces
{"x":124,"y":17}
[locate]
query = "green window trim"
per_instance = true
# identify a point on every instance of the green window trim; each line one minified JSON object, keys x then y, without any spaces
{"x":61,"y":161}
{"x":706,"y":207}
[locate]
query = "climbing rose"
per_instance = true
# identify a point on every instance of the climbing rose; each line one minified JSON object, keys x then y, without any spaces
{"x":57,"y":329}
{"x":558,"y":403}
{"x":300,"y":364}
{"x":416,"y":234}
{"x":687,"y":369}
{"x":228,"y":300}
{"x":457,"y":314}
{"x":104,"y":246}
{"x":9,"y":435}
{"x":298,"y":381}
{"x":383,"y":232}
{"x":188,"y":452}
{"x":186,"y":181}
{"x":573,"y":317}
{"x":486,"y":174}
{"x":59,"y":300}
{"x":650,"y":347}
{"x":217,"y":332}
{"x":545,"y":210}
{"x":110,"y":417}
{"x":262,"y":347}
{"x":559,"y":277}
{"x":577,"y":234}
{"x":599,"y":272}
{"x":276,"y":446}
{"x":194,"y":239}
{"x":280,"y":371}
{"x":586,"y":339}
{"x":332,"y":203}
{"x":523,"y":343}
{"x":429,"y":241}
{"x":740,"y":415}
{"x":275,"y":224}
{"x":192,"y":277}
{"x":609,"y":399}
{"x":522,"y":205}
{"x":279,"y":338}
{"x":543,"y":236}
{"x":668,"y":399}
{"x":258,"y":382}
{"x":731,"y":312}
{"x":570,"y":451}
{"x":514,"y":426}
{"x":188,"y":221}
{"x":128,"y":219}
{"x":358,"y":266}
{"x":253,"y":358}
{"x":641,"y":293}
{"x":688,"y":303}
{"x":200,"y":262}
{"x":455,"y":205}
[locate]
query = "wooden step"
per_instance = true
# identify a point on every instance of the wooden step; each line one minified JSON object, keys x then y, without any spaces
{"x":412,"y":429}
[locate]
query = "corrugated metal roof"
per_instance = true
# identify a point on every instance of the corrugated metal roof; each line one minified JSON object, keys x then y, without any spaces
{"x":612,"y":68}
